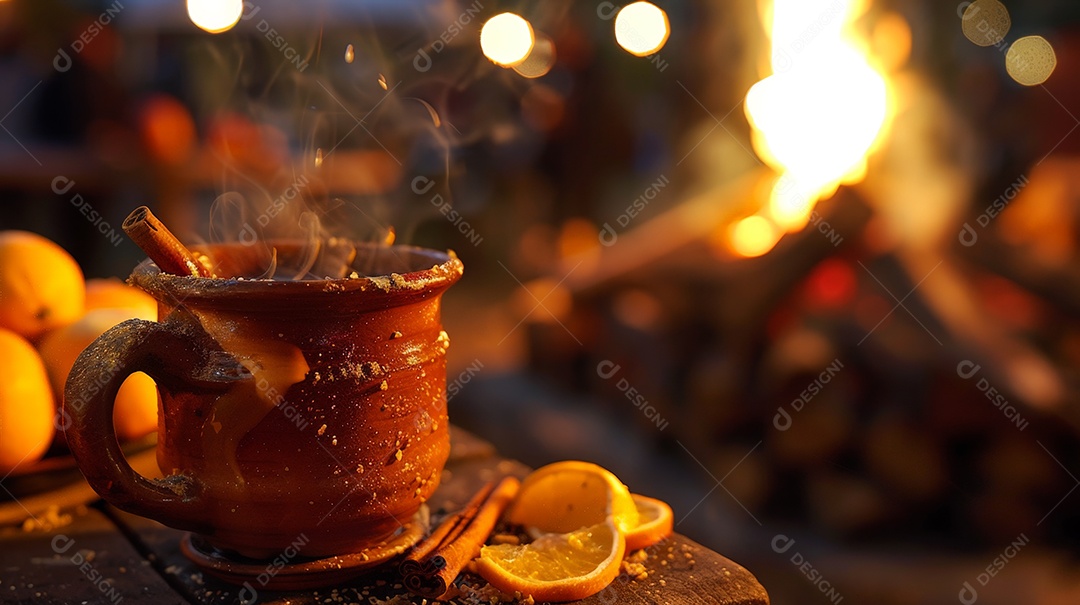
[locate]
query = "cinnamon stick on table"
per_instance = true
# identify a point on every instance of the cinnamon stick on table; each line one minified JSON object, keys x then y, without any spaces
{"x":432,"y":566}
{"x":161,"y":245}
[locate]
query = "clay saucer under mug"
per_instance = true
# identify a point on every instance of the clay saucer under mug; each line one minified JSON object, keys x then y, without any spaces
{"x":302,"y":573}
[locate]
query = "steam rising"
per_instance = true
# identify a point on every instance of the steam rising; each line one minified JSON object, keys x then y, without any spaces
{"x":317,"y":134}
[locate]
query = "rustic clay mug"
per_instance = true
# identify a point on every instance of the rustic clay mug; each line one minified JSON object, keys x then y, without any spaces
{"x":309,"y":411}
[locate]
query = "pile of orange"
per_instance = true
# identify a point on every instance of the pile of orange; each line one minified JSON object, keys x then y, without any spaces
{"x":583,"y":520}
{"x":48,"y":315}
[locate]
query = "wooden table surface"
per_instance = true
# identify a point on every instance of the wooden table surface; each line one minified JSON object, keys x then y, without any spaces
{"x":98,"y":554}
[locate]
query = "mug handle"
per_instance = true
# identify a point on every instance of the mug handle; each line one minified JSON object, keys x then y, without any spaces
{"x":176,"y":358}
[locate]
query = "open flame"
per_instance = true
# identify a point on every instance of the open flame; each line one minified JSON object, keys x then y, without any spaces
{"x":816,"y":118}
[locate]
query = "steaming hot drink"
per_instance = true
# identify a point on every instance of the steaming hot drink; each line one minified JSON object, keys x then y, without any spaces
{"x":303,"y":398}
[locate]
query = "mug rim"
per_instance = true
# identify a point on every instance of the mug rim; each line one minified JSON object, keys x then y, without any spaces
{"x":445,"y":270}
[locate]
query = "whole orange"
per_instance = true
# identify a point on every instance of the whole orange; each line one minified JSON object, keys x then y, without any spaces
{"x":115,"y":294}
{"x":26,"y":403}
{"x":136,"y":408}
{"x":41,"y":286}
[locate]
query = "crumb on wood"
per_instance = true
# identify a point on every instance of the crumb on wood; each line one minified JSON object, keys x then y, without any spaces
{"x":636,"y":571}
{"x":47,"y":521}
{"x":394,"y":600}
{"x":475,"y":590}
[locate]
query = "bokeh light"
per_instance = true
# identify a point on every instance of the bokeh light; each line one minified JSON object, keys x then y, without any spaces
{"x":507,"y":39}
{"x":540,"y":60}
{"x":167,"y":129}
{"x":789,"y":204}
{"x":641,"y":28}
{"x":544,"y":300}
{"x":753,"y":236}
{"x":1030,"y":60}
{"x":891,"y":41}
{"x":215,"y":16}
{"x":985,"y":22}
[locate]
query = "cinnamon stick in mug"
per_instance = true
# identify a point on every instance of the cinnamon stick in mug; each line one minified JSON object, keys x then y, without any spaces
{"x":155,"y":239}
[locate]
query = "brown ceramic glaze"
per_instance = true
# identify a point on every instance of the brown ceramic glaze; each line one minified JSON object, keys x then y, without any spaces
{"x":300,"y":573}
{"x":291,"y":411}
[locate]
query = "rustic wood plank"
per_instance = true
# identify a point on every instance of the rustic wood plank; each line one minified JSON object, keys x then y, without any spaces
{"x":83,"y":560}
{"x":677,"y":571}
{"x":60,"y":484}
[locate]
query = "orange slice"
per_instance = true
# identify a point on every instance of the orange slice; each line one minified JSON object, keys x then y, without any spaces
{"x":556,"y":567}
{"x":655,"y":522}
{"x":569,"y":495}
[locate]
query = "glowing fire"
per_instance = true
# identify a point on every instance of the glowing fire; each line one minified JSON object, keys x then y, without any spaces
{"x":816,"y":118}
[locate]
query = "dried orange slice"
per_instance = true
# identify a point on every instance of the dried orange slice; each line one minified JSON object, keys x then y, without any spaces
{"x":655,"y":522}
{"x":566,"y":496}
{"x":556,"y":567}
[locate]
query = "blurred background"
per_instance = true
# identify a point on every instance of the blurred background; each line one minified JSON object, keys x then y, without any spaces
{"x":804,"y":269}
